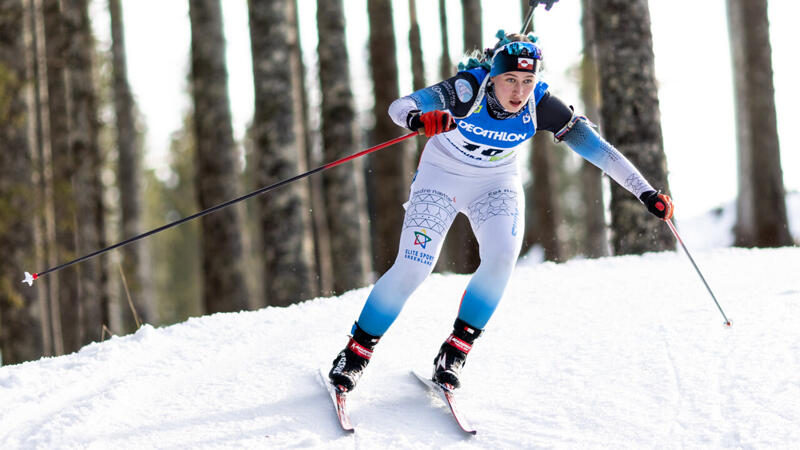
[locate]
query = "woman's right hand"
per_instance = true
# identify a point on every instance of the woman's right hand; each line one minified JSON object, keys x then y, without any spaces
{"x":433,"y":122}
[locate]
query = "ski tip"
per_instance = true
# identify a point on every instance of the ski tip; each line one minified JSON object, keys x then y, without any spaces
{"x":30,"y":278}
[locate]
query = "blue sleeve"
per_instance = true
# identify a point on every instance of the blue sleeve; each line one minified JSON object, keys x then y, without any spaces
{"x":429,"y":99}
{"x":583,"y":140}
{"x":455,"y":94}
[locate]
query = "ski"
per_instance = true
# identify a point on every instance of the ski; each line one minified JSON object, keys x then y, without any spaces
{"x":448,"y":396}
{"x":339,"y":402}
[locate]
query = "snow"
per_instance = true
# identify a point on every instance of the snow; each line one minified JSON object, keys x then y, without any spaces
{"x":620,"y":352}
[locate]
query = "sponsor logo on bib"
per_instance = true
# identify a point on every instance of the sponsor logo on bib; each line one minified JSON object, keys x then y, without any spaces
{"x":492,"y":134}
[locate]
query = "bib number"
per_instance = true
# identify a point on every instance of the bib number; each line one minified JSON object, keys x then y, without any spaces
{"x":489,"y":152}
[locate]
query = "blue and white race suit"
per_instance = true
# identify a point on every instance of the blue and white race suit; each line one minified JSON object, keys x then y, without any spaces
{"x":473,"y":170}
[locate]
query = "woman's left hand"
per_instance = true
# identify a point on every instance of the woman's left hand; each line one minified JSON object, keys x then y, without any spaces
{"x":660,"y":205}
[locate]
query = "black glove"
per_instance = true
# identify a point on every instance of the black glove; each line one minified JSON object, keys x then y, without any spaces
{"x":547,"y":3}
{"x":660,"y":205}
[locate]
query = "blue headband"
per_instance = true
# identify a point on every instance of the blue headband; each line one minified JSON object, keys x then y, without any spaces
{"x":516,"y":56}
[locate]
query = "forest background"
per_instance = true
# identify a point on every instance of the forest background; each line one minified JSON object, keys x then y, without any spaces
{"x":222,"y":98}
{"x":684,"y":39}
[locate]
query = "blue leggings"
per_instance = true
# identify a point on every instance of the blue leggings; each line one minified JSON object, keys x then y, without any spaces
{"x":495,"y":207}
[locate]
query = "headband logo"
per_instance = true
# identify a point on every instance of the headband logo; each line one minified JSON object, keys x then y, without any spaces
{"x":525,"y":63}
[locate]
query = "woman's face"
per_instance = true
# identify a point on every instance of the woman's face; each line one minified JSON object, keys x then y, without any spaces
{"x":513,"y":89}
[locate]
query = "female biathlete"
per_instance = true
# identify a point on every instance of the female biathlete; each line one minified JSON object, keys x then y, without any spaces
{"x":476,"y":122}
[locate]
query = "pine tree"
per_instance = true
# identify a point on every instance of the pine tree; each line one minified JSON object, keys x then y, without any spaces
{"x":591,"y":179}
{"x":44,"y":236}
{"x":546,"y":200}
{"x":66,"y":282}
{"x":471,"y":13}
{"x":128,"y":172}
{"x":631,"y":117}
{"x":278,"y":137}
{"x":390,"y":170}
{"x":344,"y":186}
{"x":224,"y":287}
{"x":20,"y":327}
{"x":85,"y":150}
{"x":445,"y":63}
{"x":313,"y":153}
{"x":761,"y":219}
{"x":417,"y":62}
{"x":461,"y":247}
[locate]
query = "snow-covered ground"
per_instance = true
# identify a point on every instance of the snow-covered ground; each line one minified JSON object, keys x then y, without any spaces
{"x":624,"y":352}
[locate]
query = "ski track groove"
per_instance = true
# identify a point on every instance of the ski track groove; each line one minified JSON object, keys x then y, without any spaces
{"x":676,"y":379}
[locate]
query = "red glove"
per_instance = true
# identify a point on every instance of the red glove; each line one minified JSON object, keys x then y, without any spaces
{"x":660,"y":205}
{"x":434,"y":122}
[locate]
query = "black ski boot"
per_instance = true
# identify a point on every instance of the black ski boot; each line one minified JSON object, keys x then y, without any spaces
{"x":351,"y":361}
{"x":453,"y":354}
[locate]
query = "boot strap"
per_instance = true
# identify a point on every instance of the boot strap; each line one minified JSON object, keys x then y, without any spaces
{"x":359,"y":349}
{"x":459,"y":344}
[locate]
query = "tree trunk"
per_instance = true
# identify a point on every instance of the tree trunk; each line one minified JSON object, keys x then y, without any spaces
{"x":223,"y":277}
{"x":20,"y":327}
{"x":314,"y":156}
{"x":473,"y":25}
{"x":531,"y":234}
{"x":415,"y":44}
{"x":631,"y":118}
{"x":128,"y":173}
{"x":461,"y":247}
{"x":391,"y":169}
{"x":446,"y":68}
{"x":591,"y":185}
{"x":343,"y":186}
{"x":63,"y":173}
{"x":546,"y":201}
{"x":86,"y":153}
{"x":279,"y":153}
{"x":761,"y":219}
{"x":44,"y":235}
{"x":417,"y":63}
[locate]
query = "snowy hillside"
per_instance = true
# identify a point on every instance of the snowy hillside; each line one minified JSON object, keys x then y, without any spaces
{"x":618,"y":352}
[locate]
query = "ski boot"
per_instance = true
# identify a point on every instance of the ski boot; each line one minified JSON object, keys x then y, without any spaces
{"x":453,"y":354}
{"x":350,"y":363}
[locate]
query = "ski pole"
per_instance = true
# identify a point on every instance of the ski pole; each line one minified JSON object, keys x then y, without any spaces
{"x":533,"y":4}
{"x":29,"y":278}
{"x":675,"y":232}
